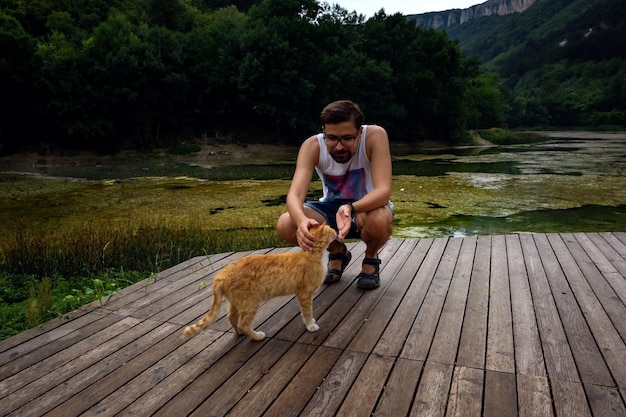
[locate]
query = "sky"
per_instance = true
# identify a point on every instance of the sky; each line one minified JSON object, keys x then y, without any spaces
{"x":369,"y":7}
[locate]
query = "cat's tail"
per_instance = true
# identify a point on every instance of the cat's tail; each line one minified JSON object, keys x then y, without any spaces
{"x":209,"y":318}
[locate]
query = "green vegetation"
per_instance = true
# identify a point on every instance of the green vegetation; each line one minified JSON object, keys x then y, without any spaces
{"x":143,"y":74}
{"x":561,"y":62}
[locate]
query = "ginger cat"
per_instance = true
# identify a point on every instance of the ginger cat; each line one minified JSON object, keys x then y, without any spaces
{"x":253,"y":279}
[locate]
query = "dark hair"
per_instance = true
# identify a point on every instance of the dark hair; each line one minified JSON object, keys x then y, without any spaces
{"x":342,"y":111}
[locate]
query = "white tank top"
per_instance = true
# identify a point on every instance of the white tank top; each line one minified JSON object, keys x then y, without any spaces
{"x":349,"y":181}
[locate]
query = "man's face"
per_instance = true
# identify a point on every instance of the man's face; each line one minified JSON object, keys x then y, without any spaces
{"x":342,"y":140}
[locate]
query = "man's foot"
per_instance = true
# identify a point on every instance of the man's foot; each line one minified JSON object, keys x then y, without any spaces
{"x":337,"y":263}
{"x":366,"y":280}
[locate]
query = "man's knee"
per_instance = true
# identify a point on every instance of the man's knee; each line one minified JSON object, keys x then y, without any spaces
{"x":378,"y":222}
{"x":286,"y":227}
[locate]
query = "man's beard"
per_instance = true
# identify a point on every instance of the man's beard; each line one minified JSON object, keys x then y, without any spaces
{"x":342,"y":156}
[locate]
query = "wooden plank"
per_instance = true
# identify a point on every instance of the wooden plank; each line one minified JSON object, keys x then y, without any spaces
{"x":331,"y":393}
{"x":449,"y":328}
{"x":500,"y":394}
{"x":305,"y":384}
{"x":51,"y":386}
{"x":473,"y":342}
{"x":420,"y":337}
{"x":607,"y":338}
{"x":150,"y":390}
{"x":466,"y":393}
{"x":589,"y":361}
{"x":33,"y":380}
{"x":364,"y":393}
{"x":617,"y":241}
{"x":533,"y":396}
{"x":500,"y":350}
{"x":395,"y":334}
{"x":591,"y":269}
{"x":569,"y":399}
{"x":557,"y":355}
{"x":378,"y":319}
{"x":127,"y":383}
{"x":236,"y":387}
{"x":617,"y":261}
{"x":528,"y":353}
{"x":213,"y":376}
{"x":16,"y":345}
{"x":397,"y":396}
{"x":433,"y":390}
{"x":273,"y":382}
{"x":55,"y":334}
{"x":89,"y":380}
{"x":605,"y":401}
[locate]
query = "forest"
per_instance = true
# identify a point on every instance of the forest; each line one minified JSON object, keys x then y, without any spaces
{"x":139,"y":74}
{"x":142,"y":74}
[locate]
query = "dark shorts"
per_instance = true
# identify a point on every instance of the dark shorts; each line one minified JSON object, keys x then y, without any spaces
{"x":328,"y":209}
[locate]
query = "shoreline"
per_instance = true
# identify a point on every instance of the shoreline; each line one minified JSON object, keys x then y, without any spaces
{"x":228,"y":154}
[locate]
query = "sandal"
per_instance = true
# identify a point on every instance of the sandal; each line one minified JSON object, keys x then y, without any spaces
{"x":369,"y":281}
{"x":334,"y":275}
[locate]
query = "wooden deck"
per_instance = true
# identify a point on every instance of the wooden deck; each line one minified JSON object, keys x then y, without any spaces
{"x":527,"y":325}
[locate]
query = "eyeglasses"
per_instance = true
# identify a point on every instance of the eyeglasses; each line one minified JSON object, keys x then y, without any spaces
{"x":346,"y":141}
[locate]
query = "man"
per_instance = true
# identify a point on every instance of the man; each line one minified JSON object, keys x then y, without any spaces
{"x":354,"y":163}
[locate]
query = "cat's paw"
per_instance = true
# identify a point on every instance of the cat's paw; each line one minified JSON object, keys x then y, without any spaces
{"x":258,"y":336}
{"x":313,"y":327}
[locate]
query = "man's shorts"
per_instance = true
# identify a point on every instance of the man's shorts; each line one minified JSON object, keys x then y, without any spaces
{"x":328,"y":209}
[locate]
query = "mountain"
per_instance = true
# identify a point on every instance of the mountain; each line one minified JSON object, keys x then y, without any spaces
{"x":560,"y":62}
{"x":547,"y":32}
{"x":448,"y":18}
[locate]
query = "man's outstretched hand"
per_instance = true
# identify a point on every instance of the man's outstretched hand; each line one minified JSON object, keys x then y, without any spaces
{"x":344,"y":221}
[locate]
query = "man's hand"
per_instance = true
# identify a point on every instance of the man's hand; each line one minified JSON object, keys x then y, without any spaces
{"x":344,"y":221}
{"x":305,"y":239}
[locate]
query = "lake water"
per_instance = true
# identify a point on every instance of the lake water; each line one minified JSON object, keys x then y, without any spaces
{"x":572,"y":182}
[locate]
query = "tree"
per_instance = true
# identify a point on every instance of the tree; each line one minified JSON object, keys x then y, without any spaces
{"x":213,"y":52}
{"x":278,"y":62}
{"x":486,"y":106}
{"x":17,"y":66}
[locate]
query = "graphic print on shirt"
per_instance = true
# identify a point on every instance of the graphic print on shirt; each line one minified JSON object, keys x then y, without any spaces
{"x":350,"y":186}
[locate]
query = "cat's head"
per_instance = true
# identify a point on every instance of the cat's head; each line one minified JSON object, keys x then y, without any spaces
{"x":324,"y":234}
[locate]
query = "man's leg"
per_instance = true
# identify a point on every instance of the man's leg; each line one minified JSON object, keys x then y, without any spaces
{"x":376,"y":229}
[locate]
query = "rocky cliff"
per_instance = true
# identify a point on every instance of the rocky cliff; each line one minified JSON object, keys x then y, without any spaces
{"x":445,"y":19}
